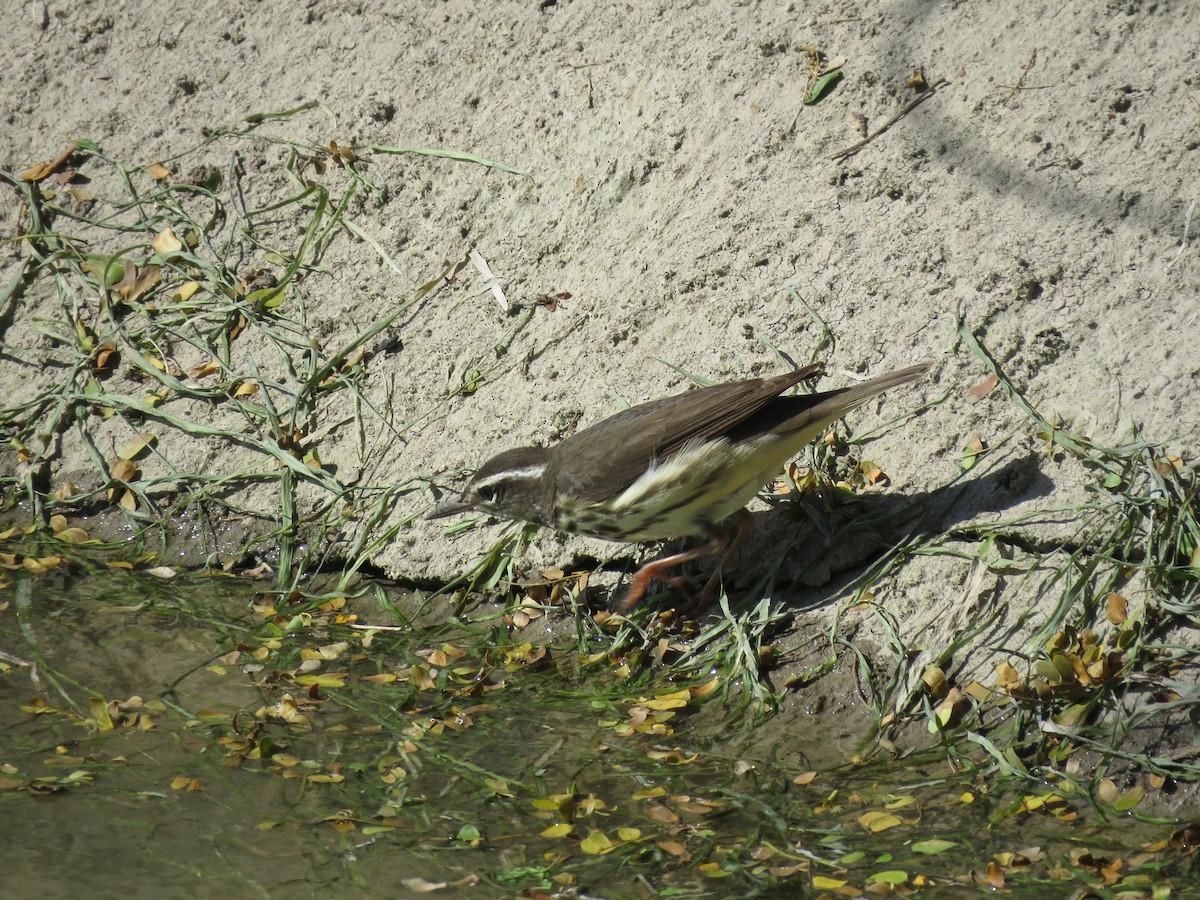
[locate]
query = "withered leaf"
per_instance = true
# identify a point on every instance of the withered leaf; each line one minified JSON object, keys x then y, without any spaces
{"x":165,"y":242}
{"x":1117,"y":611}
{"x":134,"y":284}
{"x":984,"y":388}
{"x":134,"y":448}
{"x":43,"y":170}
{"x":123,"y":470}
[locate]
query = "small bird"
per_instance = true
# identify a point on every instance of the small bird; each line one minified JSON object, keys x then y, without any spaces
{"x":682,"y":466}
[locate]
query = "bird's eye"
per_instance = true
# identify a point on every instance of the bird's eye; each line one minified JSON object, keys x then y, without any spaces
{"x":487,"y":494}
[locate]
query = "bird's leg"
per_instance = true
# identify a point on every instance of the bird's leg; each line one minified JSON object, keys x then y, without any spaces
{"x":745,"y":525}
{"x":644,"y":575}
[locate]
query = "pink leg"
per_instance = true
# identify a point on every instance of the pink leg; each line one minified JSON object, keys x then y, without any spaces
{"x":745,"y":525}
{"x":644,"y":575}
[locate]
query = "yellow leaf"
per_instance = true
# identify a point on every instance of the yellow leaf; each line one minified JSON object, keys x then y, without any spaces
{"x":668,"y":702}
{"x":245,"y":389}
{"x":823,"y":883}
{"x":877,"y":820}
{"x":136,"y":447}
{"x":64,"y":491}
{"x":556,"y":831}
{"x":1006,"y":677}
{"x":1107,"y":791}
{"x":165,"y":242}
{"x":596,"y":843}
{"x":123,"y":470}
{"x":330,"y":681}
{"x":157,"y":171}
{"x":205,"y":369}
{"x":99,"y":710}
{"x":185,"y":292}
{"x":382,"y":678}
{"x":649,"y":793}
{"x":977,"y":692}
{"x":1118,"y":610}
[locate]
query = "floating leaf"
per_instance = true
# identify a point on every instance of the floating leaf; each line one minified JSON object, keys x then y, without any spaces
{"x":1130,"y":798}
{"x":877,"y":820}
{"x":649,"y":793}
{"x":662,"y":814}
{"x":933,"y":845}
{"x":100,"y":714}
{"x":677,"y":700}
{"x":672,"y":757}
{"x":995,"y":876}
{"x":468,"y":833}
{"x":824,"y":883}
{"x":596,"y":843}
{"x":330,"y":680}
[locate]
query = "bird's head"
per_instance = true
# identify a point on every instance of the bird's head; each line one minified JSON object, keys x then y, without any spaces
{"x":511,"y":485}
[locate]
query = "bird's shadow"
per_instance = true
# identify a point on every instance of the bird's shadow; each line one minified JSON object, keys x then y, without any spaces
{"x":802,"y":545}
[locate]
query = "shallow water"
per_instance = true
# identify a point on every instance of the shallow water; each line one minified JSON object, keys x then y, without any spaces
{"x":232,"y":776}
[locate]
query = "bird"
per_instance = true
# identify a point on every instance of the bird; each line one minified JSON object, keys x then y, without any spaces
{"x":683,"y":466}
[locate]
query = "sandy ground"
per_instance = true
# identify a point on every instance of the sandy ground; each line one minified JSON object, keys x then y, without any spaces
{"x":686,"y":199}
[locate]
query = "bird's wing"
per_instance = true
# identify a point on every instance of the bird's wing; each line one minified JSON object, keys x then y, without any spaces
{"x":601,"y":461}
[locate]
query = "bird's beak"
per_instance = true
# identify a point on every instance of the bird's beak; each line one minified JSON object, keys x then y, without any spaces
{"x":448,"y":508}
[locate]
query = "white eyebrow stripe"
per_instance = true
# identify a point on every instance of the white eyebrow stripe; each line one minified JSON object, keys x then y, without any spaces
{"x":529,"y":472}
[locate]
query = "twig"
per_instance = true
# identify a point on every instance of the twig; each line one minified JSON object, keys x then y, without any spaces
{"x":896,"y":117}
{"x":1185,"y":241}
{"x":1021,"y":80}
